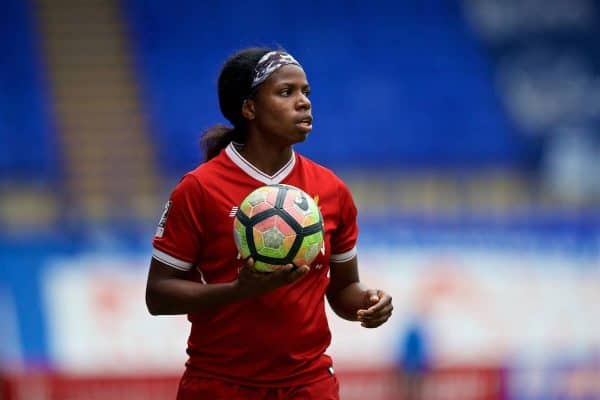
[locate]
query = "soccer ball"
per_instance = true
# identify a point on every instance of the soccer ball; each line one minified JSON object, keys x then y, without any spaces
{"x":278,"y":225}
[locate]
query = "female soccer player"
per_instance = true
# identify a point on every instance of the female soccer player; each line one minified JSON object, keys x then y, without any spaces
{"x":257,"y":335}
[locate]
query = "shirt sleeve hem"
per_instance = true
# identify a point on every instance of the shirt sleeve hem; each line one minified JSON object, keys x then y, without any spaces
{"x":170,"y":260}
{"x":345,"y":256}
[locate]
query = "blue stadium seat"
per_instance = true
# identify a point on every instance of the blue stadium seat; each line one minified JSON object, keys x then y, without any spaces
{"x":404,"y":83}
{"x":27,"y":143}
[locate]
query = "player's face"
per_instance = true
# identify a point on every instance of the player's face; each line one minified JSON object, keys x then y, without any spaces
{"x":282,"y":107}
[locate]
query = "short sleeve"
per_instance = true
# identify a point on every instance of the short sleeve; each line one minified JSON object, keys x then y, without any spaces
{"x":343,"y":240}
{"x":177,"y":238}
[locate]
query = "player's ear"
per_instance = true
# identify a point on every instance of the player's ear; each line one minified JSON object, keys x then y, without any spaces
{"x":248,"y":109}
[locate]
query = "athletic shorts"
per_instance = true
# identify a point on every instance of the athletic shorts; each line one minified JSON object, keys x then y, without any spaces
{"x":197,"y":388}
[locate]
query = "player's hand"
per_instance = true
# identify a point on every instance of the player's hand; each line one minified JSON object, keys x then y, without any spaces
{"x":378,"y":309}
{"x":252,"y":282}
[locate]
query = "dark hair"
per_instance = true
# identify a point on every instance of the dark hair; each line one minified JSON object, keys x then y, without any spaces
{"x":234,"y":84}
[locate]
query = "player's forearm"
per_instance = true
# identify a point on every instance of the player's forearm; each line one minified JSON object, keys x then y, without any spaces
{"x":347,"y":301}
{"x":177,"y":296}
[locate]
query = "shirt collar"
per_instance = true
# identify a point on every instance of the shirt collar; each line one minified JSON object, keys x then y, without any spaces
{"x":254,"y":172}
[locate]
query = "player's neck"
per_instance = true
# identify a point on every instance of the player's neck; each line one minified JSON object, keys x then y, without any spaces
{"x":267,"y":157}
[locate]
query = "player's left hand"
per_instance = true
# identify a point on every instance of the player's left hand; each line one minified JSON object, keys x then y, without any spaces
{"x":378,"y":309}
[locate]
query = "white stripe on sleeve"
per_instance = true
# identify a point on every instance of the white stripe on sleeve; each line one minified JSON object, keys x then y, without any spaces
{"x":345,"y":256}
{"x":170,"y":260}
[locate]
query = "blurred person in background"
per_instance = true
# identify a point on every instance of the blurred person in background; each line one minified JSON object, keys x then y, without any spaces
{"x":414,"y":358}
{"x":257,"y":335}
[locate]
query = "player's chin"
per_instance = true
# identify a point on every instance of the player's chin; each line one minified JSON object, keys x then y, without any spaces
{"x":301,"y":134}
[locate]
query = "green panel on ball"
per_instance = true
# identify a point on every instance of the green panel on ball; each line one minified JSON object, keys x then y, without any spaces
{"x":239,"y":235}
{"x":309,"y":249}
{"x":264,"y":267}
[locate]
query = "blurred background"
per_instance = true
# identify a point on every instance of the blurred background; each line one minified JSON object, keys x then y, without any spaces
{"x":468,"y":131}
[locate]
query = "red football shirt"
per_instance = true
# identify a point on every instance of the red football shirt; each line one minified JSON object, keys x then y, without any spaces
{"x":280,"y":337}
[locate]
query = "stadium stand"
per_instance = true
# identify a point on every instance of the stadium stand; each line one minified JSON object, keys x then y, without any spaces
{"x":28,"y":149}
{"x":30,"y":162}
{"x":403,"y":74}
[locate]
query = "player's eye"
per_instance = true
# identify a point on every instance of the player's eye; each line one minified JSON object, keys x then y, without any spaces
{"x":306,"y":92}
{"x":285,"y":92}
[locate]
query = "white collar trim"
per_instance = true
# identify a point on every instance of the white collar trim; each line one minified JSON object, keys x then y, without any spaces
{"x":257,"y":174}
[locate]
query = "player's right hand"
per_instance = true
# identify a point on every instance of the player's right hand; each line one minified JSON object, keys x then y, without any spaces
{"x":252,"y":282}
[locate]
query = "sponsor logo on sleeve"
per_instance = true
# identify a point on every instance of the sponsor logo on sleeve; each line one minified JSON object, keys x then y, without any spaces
{"x":160,"y":229}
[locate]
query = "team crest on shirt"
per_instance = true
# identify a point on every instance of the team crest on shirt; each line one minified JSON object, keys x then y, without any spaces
{"x":160,"y":229}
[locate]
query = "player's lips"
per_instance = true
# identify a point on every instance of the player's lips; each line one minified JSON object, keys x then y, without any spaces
{"x":305,"y":123}
{"x":306,"y":120}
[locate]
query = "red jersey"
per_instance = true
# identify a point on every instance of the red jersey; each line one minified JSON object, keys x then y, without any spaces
{"x":280,"y":337}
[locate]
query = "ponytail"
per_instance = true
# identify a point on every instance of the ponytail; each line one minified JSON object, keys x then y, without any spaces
{"x":234,"y":87}
{"x":216,"y":138}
